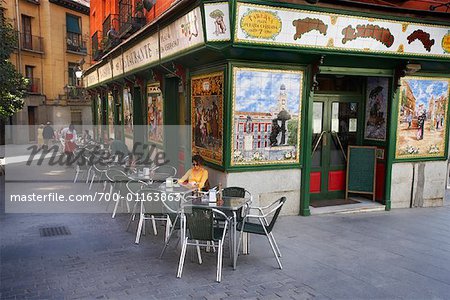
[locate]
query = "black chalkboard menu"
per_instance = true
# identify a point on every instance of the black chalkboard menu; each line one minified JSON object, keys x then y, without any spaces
{"x":361,"y":170}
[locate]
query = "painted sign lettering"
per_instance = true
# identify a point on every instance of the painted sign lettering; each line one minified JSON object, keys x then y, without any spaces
{"x":375,"y":32}
{"x":305,"y":25}
{"x":422,"y":36}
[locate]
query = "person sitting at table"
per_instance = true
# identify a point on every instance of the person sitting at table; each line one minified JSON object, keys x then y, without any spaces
{"x":197,"y":175}
{"x":118,"y":147}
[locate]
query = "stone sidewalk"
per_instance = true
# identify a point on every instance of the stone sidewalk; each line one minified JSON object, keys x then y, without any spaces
{"x":402,"y":254}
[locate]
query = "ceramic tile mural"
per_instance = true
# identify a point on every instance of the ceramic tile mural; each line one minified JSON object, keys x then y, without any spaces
{"x":266,"y":116}
{"x":207,"y":116}
{"x":128,"y":117}
{"x":155,"y":113}
{"x":217,"y":20}
{"x":111,"y":110}
{"x":377,"y":92}
{"x":422,"y":117}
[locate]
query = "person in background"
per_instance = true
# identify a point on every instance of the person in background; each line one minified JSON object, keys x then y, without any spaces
{"x":49,"y":134}
{"x":86,"y":137}
{"x":118,"y":147}
{"x":40,"y":137}
{"x":69,"y":135}
{"x":197,"y":175}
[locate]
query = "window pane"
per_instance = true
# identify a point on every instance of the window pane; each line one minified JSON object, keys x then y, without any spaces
{"x":73,"y":24}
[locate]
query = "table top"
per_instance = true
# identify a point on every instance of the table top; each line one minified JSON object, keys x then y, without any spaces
{"x":152,"y":177}
{"x":227,"y":203}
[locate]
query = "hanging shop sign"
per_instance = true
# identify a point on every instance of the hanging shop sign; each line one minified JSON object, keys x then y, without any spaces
{"x":422,"y":117}
{"x":217,"y":21}
{"x":91,"y":78}
{"x":117,"y":66}
{"x":290,"y":27}
{"x":105,"y":72}
{"x":183,"y":34}
{"x":141,"y":54}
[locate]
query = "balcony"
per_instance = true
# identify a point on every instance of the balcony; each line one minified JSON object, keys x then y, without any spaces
{"x":34,"y":85}
{"x":110,"y":32}
{"x":76,"y":44}
{"x":30,"y":42}
{"x":128,"y":23}
{"x":76,"y":95}
{"x":97,"y":48}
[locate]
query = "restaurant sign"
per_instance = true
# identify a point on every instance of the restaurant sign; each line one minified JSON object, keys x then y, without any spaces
{"x":91,"y":78}
{"x":289,"y":27}
{"x":141,"y":54}
{"x":117,"y":66}
{"x":185,"y":33}
{"x":105,"y":72}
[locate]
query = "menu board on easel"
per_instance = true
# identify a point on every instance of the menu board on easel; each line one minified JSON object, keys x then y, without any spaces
{"x":361,"y":170}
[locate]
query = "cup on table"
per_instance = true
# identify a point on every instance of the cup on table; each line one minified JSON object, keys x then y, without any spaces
{"x":169,"y":182}
{"x":146,"y":171}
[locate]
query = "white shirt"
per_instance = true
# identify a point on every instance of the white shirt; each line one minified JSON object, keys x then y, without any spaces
{"x":65,"y":131}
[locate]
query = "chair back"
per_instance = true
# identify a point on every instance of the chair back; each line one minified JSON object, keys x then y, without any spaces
{"x":134,"y":187}
{"x":120,"y":182}
{"x":165,"y":171}
{"x":234,"y":191}
{"x":200,"y":222}
{"x":113,"y":172}
{"x":152,"y":201}
{"x":281,"y":202}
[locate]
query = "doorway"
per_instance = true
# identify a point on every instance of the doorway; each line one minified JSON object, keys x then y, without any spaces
{"x":337,"y":124}
{"x":32,"y":123}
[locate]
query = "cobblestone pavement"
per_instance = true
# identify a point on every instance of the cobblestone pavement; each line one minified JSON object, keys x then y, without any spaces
{"x":402,"y":254}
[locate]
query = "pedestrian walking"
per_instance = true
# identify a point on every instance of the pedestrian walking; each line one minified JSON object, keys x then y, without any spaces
{"x":69,"y":135}
{"x":40,"y":138}
{"x":48,"y":134}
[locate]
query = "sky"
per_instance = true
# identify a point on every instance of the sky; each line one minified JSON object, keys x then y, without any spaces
{"x":423,"y":90}
{"x":258,"y":91}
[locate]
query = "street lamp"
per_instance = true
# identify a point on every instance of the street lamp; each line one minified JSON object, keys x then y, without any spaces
{"x":78,"y":72}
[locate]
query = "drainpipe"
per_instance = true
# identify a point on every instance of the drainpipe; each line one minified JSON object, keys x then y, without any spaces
{"x":19,"y":59}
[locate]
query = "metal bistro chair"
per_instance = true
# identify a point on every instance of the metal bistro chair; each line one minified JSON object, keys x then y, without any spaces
{"x":120,"y":186}
{"x":172,"y":209}
{"x":264,"y":227}
{"x":202,"y":227}
{"x":151,"y":208}
{"x":111,"y":172}
{"x":161,"y":173}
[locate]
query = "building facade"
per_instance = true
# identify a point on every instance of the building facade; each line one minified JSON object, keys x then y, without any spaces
{"x":278,"y":94}
{"x":53,"y":43}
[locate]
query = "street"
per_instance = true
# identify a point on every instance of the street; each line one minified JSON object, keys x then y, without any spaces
{"x":401,"y":254}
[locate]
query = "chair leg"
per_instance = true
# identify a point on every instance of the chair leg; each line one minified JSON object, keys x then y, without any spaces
{"x":92,"y":180}
{"x":76,"y":174}
{"x":115,"y":208}
{"x":88,"y":174}
{"x":182,"y":256}
{"x":198,"y":253}
{"x":168,"y":226}
{"x":273,"y":249}
{"x":168,"y":238}
{"x":275,"y":244}
{"x":219,"y":261}
{"x":139,"y":229}
{"x":155,"y":231}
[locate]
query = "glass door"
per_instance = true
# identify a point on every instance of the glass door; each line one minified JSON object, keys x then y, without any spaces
{"x":336,"y":125}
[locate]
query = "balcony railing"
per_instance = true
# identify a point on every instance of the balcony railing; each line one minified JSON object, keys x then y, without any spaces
{"x":75,"y":92}
{"x":34,"y":85}
{"x":75,"y":43}
{"x":97,"y":48}
{"x":110,"y":32}
{"x":128,"y":23}
{"x":31,"y":42}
